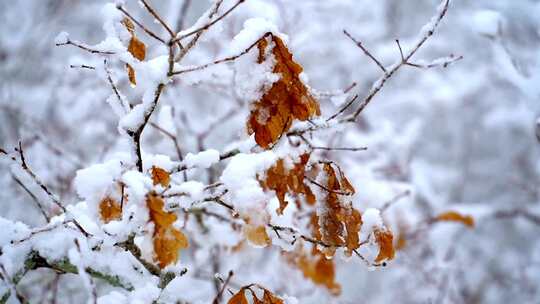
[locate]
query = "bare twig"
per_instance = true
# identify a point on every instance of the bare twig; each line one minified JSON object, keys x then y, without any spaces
{"x":82,"y":66}
{"x":514,"y":213}
{"x":136,"y":135}
{"x":395,"y":199}
{"x":217,"y":299}
{"x":34,"y":198}
{"x":405,"y":58}
{"x":153,"y":12}
{"x":183,"y":14}
{"x":213,"y":11}
{"x":222,"y":60}
{"x":123,"y":102}
{"x":85,"y":47}
{"x":144,"y":28}
{"x":359,"y":44}
{"x":208,"y":25}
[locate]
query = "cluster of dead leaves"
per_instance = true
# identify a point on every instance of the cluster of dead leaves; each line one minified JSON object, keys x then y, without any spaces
{"x":316,"y":267}
{"x":267,"y":298}
{"x":168,"y":240}
{"x":338,"y":222}
{"x":136,"y":47}
{"x":283,"y":180}
{"x":286,"y":100}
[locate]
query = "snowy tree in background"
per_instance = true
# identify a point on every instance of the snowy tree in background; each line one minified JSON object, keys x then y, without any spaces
{"x":269,"y":151}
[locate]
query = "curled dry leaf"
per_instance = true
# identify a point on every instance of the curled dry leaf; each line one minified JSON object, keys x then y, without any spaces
{"x":239,"y":297}
{"x":267,"y":298}
{"x":453,"y":216}
{"x":109,"y":209}
{"x":160,"y":176}
{"x":168,"y":240}
{"x":283,"y":180}
{"x":257,"y":235}
{"x":385,"y":240}
{"x":338,"y":222}
{"x":270,"y":298}
{"x":286,"y":100}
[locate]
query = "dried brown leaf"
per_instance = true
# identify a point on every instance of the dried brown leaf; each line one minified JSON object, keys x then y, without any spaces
{"x":168,"y":240}
{"x":160,"y":176}
{"x":316,"y":267}
{"x":453,"y":216}
{"x":288,"y":181}
{"x":256,"y":235}
{"x":338,"y":222}
{"x":288,"y":98}
{"x":385,"y":240}
{"x":238,"y":298}
{"x":109,"y":209}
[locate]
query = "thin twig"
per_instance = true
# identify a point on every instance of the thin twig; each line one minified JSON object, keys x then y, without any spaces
{"x":359,"y":44}
{"x":153,"y":12}
{"x":208,"y":25}
{"x":34,"y":198}
{"x":223,"y":286}
{"x":82,"y":66}
{"x":85,"y":47}
{"x":193,"y":41}
{"x":396,"y":198}
{"x":144,"y":28}
{"x":183,"y":14}
{"x":222,"y":60}
{"x":378,"y":85}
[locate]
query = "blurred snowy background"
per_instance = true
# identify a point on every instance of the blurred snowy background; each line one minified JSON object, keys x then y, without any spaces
{"x":463,"y":137}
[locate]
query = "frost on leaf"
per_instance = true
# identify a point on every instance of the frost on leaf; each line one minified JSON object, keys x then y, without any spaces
{"x":256,"y":235}
{"x":339,"y":223}
{"x":453,"y":216}
{"x":286,"y":100}
{"x":385,"y":240}
{"x":109,"y":209}
{"x":167,"y":239}
{"x":316,"y":267}
{"x":160,"y":176}
{"x":136,"y":47}
{"x":283,"y":180}
{"x":267,"y":297}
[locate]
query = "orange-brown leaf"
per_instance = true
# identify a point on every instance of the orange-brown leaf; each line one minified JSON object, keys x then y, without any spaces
{"x":353,"y":222}
{"x":453,"y":216}
{"x":160,"y":176}
{"x":256,"y":235}
{"x":137,"y":48}
{"x":131,"y":74}
{"x":286,"y":100}
{"x":168,"y":240}
{"x":385,"y":239}
{"x":129,"y":25}
{"x":288,"y":181}
{"x":401,"y":242}
{"x":238,"y":298}
{"x":109,"y":209}
{"x":270,"y":298}
{"x":339,"y":223}
{"x":316,"y":267}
